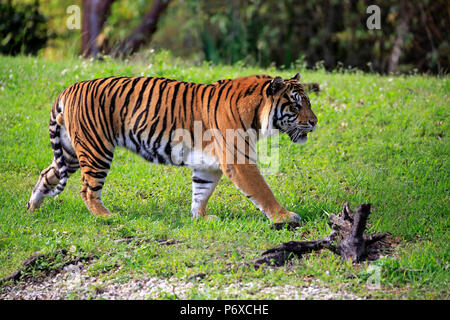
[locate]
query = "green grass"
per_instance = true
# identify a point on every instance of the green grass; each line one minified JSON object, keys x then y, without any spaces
{"x":379,"y":139}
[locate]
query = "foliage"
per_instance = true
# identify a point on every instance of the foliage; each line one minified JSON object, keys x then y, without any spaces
{"x":23,"y":28}
{"x":283,"y":33}
{"x":379,"y":139}
{"x":332,"y":32}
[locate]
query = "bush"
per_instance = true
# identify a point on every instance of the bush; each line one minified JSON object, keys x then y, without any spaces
{"x":23,"y":29}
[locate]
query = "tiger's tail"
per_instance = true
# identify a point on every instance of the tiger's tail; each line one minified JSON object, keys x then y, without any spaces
{"x":53,"y":179}
{"x":56,"y":122}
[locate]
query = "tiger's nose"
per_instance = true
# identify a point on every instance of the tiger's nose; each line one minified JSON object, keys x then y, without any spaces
{"x":312,"y":122}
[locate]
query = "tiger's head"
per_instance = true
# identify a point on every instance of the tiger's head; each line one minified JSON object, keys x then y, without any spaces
{"x":291,"y":109}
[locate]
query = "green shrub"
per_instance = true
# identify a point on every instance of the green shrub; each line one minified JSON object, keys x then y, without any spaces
{"x":23,"y":29}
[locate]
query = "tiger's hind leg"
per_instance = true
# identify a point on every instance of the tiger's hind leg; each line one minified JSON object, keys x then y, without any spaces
{"x":93,"y":174}
{"x":48,"y":180}
{"x":203,"y":184}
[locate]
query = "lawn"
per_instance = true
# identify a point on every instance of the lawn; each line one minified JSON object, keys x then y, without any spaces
{"x":380,"y":139}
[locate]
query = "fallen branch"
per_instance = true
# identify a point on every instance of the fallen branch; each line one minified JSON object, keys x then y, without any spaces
{"x":32,"y":261}
{"x":347,"y":239}
{"x":161,"y":242}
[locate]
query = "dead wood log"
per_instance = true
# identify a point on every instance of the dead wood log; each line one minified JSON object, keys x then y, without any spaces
{"x":347,"y":239}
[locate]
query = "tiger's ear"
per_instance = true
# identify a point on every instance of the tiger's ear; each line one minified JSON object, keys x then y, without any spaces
{"x":275,"y":86}
{"x":296,"y":77}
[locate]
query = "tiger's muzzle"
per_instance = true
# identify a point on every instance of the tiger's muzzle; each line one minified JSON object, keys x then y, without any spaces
{"x":300,"y":133}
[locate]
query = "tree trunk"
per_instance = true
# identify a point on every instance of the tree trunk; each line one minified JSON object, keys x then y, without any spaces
{"x":95,"y":13}
{"x":402,"y":31}
{"x":143,"y":33}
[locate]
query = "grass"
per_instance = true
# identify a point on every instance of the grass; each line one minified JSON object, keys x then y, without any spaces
{"x":380,"y":139}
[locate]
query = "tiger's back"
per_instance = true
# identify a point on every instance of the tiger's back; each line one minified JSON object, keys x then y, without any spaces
{"x":136,"y":113}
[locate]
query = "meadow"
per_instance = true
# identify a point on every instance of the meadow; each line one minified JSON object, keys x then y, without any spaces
{"x":380,"y":139}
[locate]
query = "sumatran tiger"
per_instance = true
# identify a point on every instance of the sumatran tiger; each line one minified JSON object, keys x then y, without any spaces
{"x":89,"y":119}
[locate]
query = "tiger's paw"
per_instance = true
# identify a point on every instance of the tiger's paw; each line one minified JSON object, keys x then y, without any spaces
{"x":33,"y":205}
{"x":293,"y":217}
{"x":205,"y":217}
{"x":101,"y":212}
{"x":287,"y":218}
{"x":291,"y":221}
{"x":211,"y":217}
{"x":35,"y":201}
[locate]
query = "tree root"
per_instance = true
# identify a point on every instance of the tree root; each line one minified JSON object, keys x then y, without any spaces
{"x":347,"y":239}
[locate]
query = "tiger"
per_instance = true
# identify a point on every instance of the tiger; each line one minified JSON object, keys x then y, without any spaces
{"x":91,"y":118}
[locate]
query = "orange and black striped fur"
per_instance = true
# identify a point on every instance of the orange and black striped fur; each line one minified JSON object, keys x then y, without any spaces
{"x":89,"y":119}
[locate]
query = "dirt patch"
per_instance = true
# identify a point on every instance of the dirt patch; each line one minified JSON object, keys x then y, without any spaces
{"x":61,"y":276}
{"x":45,"y":263}
{"x":74,"y":282}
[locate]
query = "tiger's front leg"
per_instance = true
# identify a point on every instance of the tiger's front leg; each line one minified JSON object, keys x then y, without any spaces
{"x":204,"y":181}
{"x":251,"y":183}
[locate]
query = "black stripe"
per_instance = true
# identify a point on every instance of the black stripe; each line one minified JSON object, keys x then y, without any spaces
{"x":96,"y":174}
{"x":141,"y":93}
{"x":250,"y":89}
{"x":199,"y":180}
{"x":183,"y":103}
{"x":95,"y":188}
{"x":162,"y":86}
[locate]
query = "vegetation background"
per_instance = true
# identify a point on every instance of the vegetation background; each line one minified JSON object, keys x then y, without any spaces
{"x":413,"y":36}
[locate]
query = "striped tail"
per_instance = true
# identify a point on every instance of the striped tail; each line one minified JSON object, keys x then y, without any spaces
{"x":56,"y":121}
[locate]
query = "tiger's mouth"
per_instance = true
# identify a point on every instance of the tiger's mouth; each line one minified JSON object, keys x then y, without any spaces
{"x":298,"y":136}
{"x":302,"y":138}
